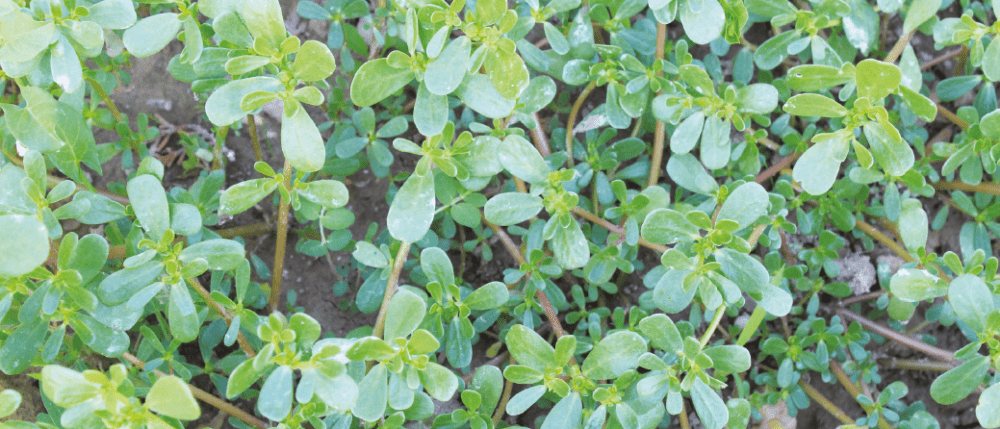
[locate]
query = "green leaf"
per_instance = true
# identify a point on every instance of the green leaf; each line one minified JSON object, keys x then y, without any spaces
{"x":566,"y":414}
{"x":913,"y":285}
{"x":971,"y":300}
{"x":613,"y":355}
{"x":758,"y":98}
{"x":241,"y":379}
{"x":665,"y":226}
{"x":479,"y":94}
{"x":483,"y":159}
{"x":221,"y":254}
{"x":21,"y":346}
{"x":745,"y":204}
{"x":9,"y":401}
{"x":959,"y":382}
{"x":65,"y":64}
{"x":991,"y":62}
{"x":522,"y":160}
{"x":913,"y":225}
{"x":445,"y":73}
{"x":327,"y":193}
{"x":301,"y":143}
{"x":524,"y":399}
{"x":368,"y":254}
{"x":66,"y":387}
{"x":313,"y":62}
{"x":112,"y":14}
{"x":24,"y":244}
{"x":171,"y":397}
{"x":510,"y":208}
{"x":814,"y":77}
{"x":569,"y":245}
{"x":689,"y":174}
{"x":437,"y":266}
{"x":24,"y":38}
{"x":988,"y":410}
{"x":224,"y":106}
{"x":149,"y":202}
{"x":711,"y":410}
{"x":739,"y":413}
{"x":528,"y":348}
{"x":876,"y":80}
{"x":438,"y":381}
{"x":276,"y":394}
{"x":729,"y":358}
{"x":121,"y":285}
{"x":151,"y":34}
{"x":662,"y":333}
{"x":686,"y":135}
{"x":920,"y":11}
{"x":751,"y":276}
{"x":507,"y":72}
{"x":241,"y":196}
{"x":990,"y":125}
{"x":264,"y":19}
{"x":376,"y":80}
{"x":817,"y":169}
{"x":430,"y":111}
{"x":489,"y":12}
{"x":810,"y":105}
{"x":922,"y":106}
{"x":773,"y":51}
{"x":953,"y":88}
{"x":487,"y":297}
{"x":670,"y":295}
{"x":892,"y":153}
{"x":412,"y":209}
{"x":182,"y":315}
{"x":703,"y":20}
{"x":405,"y":313}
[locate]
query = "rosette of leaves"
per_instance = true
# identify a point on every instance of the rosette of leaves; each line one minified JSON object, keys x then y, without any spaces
{"x":94,"y":399}
{"x":46,"y":41}
{"x":808,"y":24}
{"x":975,"y":151}
{"x":324,"y":386}
{"x":371,"y":140}
{"x":969,"y":32}
{"x":574,"y":387}
{"x":272,"y":50}
{"x":873,"y":81}
{"x":708,"y":119}
{"x":159,"y":262}
{"x":321,"y":194}
{"x":446,"y":66}
{"x":336,"y":12}
{"x":680,"y":367}
{"x":629,"y":82}
{"x":480,"y":399}
{"x":448,"y":317}
{"x":404,"y":370}
{"x":733,"y":270}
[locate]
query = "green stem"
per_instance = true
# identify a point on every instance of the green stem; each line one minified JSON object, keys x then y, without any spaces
{"x":280,"y":242}
{"x":252,"y":123}
{"x":97,"y":88}
{"x":870,"y":325}
{"x":390,"y":287}
{"x":615,"y":229}
{"x":660,"y":132}
{"x":957,"y":185}
{"x":855,"y":391}
{"x":815,"y":395}
{"x":226,"y":315}
{"x":572,"y":119}
{"x":206,"y":397}
{"x":711,"y":327}
{"x":916,"y":365}
{"x":897,"y":50}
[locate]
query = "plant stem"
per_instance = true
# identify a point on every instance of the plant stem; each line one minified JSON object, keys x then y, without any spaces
{"x":958,"y":185}
{"x":942,"y":355}
{"x":226,"y":315}
{"x":855,"y":391}
{"x":815,"y":395}
{"x":940,"y":59}
{"x":504,"y":398}
{"x":99,"y":90}
{"x":916,"y":365}
{"x":252,"y":123}
{"x":390,"y":287}
{"x":897,"y":49}
{"x":615,"y":229}
{"x":660,"y":132}
{"x":683,"y":416}
{"x":571,"y":122}
{"x":777,"y":167}
{"x":538,"y":135}
{"x":205,"y":396}
{"x":280,"y":242}
{"x":952,"y":117}
{"x":220,"y":139}
{"x":711,"y":327}
{"x":884,"y":239}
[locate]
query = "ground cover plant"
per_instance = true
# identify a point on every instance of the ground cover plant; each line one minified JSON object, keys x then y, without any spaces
{"x":604,"y":213}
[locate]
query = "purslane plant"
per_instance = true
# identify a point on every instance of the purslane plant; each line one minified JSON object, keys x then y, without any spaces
{"x":548,"y":122}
